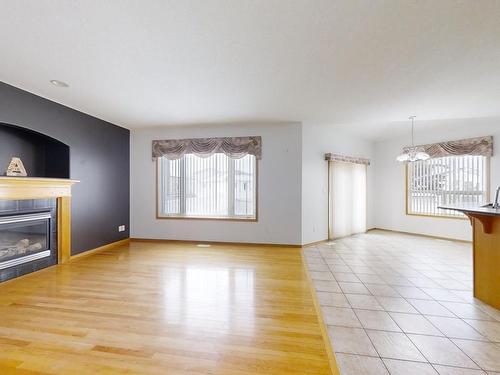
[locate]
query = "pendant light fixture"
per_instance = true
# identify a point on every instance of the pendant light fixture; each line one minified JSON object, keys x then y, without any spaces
{"x":413,"y":153}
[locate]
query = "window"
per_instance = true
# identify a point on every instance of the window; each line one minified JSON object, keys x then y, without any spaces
{"x":208,"y":187}
{"x":347,"y":199}
{"x":446,"y":180}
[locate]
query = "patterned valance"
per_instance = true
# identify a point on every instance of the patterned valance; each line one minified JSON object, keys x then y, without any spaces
{"x":346,"y":159}
{"x":482,"y":146}
{"x":234,"y":147}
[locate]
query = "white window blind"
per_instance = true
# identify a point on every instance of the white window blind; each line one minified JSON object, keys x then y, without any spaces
{"x":446,"y":180}
{"x":212,"y":187}
{"x":347,"y":199}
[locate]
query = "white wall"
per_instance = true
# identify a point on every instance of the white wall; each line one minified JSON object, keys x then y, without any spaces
{"x":279,"y":187}
{"x":293,"y":182}
{"x":317,"y":140}
{"x":390,"y":178}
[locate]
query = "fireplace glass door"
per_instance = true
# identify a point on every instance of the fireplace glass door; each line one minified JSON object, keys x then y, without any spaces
{"x":24,"y":238}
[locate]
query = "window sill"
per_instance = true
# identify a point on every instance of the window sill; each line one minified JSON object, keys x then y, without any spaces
{"x":217,"y":218}
{"x":439,"y":216}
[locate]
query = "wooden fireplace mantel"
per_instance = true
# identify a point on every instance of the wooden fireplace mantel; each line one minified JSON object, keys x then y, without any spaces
{"x":18,"y":188}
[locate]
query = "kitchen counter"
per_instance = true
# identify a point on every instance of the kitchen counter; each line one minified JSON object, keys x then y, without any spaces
{"x":486,"y":250}
{"x":472,"y":208}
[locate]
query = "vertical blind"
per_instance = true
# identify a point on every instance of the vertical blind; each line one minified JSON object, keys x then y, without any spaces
{"x":446,"y":180}
{"x":347,"y":199}
{"x":215,"y":186}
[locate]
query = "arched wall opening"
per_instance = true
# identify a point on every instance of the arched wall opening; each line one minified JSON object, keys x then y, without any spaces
{"x":42,"y":156}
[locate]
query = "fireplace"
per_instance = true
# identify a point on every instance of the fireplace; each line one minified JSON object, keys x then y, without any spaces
{"x":28,"y":236}
{"x":29,"y":239}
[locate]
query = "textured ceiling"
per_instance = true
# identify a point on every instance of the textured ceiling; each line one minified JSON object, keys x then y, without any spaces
{"x":355,"y":63}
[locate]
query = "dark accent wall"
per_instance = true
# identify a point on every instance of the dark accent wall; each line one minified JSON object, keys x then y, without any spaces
{"x":99,"y":158}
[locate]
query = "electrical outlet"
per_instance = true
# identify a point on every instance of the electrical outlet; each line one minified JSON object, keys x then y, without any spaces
{"x":121,"y":228}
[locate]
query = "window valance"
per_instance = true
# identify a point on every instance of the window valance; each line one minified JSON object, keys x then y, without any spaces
{"x":234,"y":147}
{"x":481,"y":146}
{"x":347,"y":159}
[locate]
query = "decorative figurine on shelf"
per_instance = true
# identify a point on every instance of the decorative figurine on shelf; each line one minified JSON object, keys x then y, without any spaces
{"x":16,"y":168}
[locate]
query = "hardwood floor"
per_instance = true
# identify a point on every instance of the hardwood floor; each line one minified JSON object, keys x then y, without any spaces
{"x":163,"y":308}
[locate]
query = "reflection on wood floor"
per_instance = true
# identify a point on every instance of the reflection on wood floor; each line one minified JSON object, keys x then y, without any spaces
{"x":164,"y":308}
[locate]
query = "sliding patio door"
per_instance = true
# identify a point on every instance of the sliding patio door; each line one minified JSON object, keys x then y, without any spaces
{"x":347,"y":199}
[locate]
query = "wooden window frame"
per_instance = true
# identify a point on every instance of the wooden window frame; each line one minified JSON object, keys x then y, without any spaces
{"x":488,"y":190}
{"x":254,"y":218}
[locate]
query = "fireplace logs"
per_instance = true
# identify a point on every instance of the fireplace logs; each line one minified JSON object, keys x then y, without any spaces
{"x":21,"y":247}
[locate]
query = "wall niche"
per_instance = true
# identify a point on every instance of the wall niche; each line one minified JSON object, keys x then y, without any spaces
{"x":42,"y":156}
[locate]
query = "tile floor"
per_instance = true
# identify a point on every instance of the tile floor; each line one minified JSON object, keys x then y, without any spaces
{"x":401,"y":304}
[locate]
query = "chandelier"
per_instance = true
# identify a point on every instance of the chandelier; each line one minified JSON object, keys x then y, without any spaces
{"x":413,"y":153}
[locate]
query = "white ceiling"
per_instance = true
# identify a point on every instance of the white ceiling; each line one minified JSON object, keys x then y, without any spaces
{"x":157,"y":62}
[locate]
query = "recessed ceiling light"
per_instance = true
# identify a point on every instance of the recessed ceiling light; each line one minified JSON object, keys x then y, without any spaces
{"x":203,"y":245}
{"x":57,"y":83}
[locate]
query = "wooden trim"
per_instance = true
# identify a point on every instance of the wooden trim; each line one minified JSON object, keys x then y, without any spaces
{"x":420,"y":235}
{"x":438,"y":216}
{"x":63,"y":229}
{"x":178,"y":217}
{"x":488,"y":178}
{"x":18,"y":188}
{"x":216,"y":218}
{"x":109,"y":246}
{"x":193,"y":242}
{"x":257,"y":162}
{"x":324,"y":333}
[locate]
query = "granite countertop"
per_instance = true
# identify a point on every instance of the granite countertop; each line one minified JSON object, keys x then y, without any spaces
{"x":473,"y":208}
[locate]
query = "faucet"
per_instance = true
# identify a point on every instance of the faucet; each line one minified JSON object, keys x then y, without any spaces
{"x":496,"y":204}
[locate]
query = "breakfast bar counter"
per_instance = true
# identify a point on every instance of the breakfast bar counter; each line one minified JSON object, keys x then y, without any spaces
{"x":485,"y":222}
